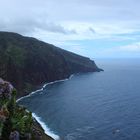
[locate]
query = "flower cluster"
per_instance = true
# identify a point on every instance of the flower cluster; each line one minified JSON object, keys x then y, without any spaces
{"x":5,"y":89}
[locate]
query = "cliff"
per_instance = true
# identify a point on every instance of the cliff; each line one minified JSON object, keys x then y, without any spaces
{"x":15,"y":121}
{"x":29,"y":63}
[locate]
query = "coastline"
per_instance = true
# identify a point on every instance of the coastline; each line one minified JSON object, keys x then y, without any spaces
{"x":30,"y":94}
{"x":46,"y":129}
{"x":37,"y":118}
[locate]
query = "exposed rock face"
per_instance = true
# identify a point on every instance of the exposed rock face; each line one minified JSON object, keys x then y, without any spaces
{"x":28,"y":62}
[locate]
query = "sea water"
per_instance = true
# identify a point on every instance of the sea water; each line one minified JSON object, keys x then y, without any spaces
{"x":92,"y":106}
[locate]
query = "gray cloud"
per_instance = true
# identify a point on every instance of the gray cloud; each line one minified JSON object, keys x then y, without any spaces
{"x":56,"y":28}
{"x":62,"y":21}
{"x":92,"y":30}
{"x":31,"y":15}
{"x":30,"y":25}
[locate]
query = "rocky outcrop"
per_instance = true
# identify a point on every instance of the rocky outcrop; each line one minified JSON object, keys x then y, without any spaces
{"x":29,"y":63}
{"x":17,"y":123}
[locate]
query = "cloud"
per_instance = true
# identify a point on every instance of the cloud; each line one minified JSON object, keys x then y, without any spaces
{"x":92,"y":30}
{"x":57,"y":28}
{"x":31,"y":25}
{"x":106,"y":16}
{"x":61,"y":21}
{"x":135,"y":47}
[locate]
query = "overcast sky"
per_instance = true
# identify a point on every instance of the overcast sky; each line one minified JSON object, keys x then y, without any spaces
{"x":94,"y":28}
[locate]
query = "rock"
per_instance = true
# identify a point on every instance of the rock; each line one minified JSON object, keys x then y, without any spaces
{"x":14,"y":135}
{"x":16,"y":123}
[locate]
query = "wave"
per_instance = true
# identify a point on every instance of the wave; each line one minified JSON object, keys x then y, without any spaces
{"x":50,"y":83}
{"x":45,"y":127}
{"x":43,"y":124}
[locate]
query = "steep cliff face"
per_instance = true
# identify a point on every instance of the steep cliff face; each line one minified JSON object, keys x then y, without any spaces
{"x":28,"y":62}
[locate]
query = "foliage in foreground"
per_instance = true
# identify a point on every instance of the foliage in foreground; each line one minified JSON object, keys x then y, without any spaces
{"x":16,"y":123}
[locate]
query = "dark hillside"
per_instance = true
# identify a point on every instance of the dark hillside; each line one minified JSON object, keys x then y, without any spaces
{"x":29,"y":63}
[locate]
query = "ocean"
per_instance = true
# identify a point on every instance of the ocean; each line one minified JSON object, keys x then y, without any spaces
{"x":92,"y":106}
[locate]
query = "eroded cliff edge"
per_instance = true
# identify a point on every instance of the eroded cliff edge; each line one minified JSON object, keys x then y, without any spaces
{"x":29,"y":63}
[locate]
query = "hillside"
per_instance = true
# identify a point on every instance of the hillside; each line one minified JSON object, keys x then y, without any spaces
{"x":28,"y":63}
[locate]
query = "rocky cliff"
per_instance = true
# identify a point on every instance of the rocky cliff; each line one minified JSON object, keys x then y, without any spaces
{"x":17,"y":123}
{"x":29,"y":63}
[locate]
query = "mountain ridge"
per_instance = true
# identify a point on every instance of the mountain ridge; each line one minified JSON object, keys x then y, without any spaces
{"x":29,"y":63}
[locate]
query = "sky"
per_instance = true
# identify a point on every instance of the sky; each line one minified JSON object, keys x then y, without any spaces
{"x":93,"y":28}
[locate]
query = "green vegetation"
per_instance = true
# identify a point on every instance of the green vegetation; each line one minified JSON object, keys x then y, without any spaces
{"x":29,"y":63}
{"x":14,"y":118}
{"x":16,"y":55}
{"x":16,"y":122}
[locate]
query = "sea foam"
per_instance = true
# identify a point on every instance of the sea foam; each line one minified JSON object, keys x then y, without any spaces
{"x":44,"y":87}
{"x":39,"y":120}
{"x":45,"y":127}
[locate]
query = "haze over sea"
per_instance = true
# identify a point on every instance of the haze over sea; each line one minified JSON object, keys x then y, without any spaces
{"x":93,"y":106}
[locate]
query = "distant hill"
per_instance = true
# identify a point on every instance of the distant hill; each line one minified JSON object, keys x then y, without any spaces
{"x":28,"y":63}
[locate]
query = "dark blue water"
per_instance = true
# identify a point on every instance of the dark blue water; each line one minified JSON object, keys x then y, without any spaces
{"x":93,"y":106}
